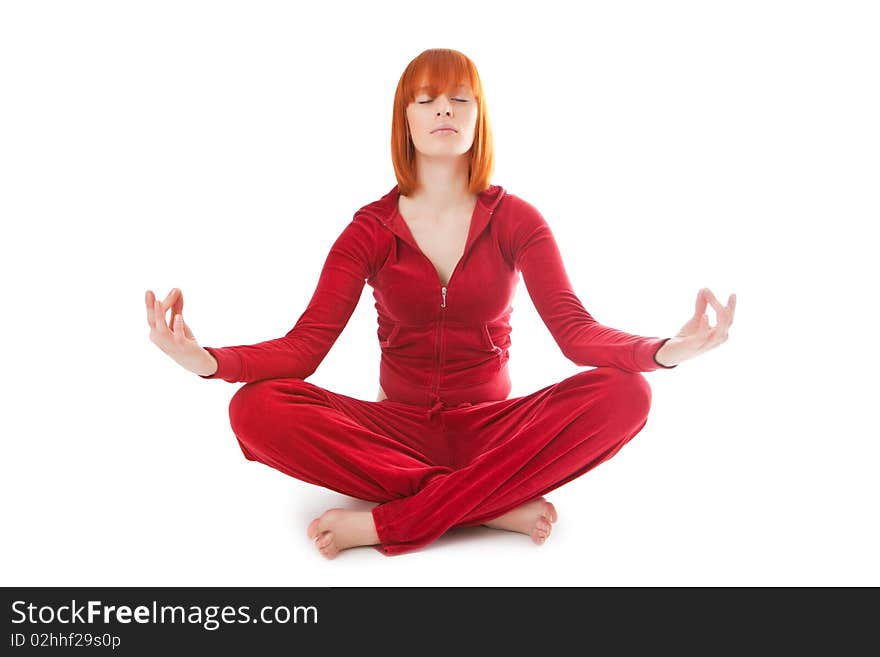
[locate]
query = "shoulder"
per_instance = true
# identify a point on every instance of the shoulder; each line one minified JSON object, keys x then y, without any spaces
{"x":517,"y":216}
{"x":365,"y":232}
{"x":517,"y":223}
{"x":379,"y":211}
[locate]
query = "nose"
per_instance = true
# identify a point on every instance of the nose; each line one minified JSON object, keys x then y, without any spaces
{"x":448,"y":103}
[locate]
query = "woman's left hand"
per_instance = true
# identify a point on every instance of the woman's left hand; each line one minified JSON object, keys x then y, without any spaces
{"x":696,"y":336}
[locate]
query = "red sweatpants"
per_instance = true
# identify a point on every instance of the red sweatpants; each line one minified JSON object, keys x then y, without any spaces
{"x":432,"y":470}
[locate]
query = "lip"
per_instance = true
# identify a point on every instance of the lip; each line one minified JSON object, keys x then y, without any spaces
{"x":444,"y":127}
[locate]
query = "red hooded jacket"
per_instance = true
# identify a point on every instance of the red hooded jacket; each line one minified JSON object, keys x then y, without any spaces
{"x":441,"y":345}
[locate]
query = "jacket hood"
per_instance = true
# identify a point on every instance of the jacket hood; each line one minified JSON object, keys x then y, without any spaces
{"x":386,"y":212}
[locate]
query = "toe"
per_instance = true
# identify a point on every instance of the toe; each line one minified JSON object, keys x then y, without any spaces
{"x":324,"y":540}
{"x":312,"y":529}
{"x":541,"y":531}
{"x":550,"y":512}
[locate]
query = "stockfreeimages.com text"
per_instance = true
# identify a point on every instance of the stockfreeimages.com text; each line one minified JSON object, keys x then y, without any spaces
{"x":211,"y":617}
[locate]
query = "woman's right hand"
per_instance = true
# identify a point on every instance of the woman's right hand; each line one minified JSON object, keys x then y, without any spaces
{"x":177,"y":340}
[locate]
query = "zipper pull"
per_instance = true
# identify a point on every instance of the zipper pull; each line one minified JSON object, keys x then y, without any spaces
{"x":443,"y":292}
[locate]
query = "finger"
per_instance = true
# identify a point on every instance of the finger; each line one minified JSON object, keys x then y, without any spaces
{"x":186,"y":329}
{"x":178,"y":303}
{"x":725,"y":314}
{"x":704,"y":327}
{"x":708,"y":335}
{"x":160,"y":324}
{"x":150,"y":298}
{"x":174,"y":300}
{"x":177,"y":326}
{"x":700,"y":306}
{"x":715,"y":303}
{"x":716,"y":306}
{"x":169,"y":300}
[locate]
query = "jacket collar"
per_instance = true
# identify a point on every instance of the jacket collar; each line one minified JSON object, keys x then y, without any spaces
{"x":386,"y":211}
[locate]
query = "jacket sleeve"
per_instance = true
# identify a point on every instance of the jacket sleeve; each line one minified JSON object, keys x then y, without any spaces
{"x":581,"y":338}
{"x":297,"y":355}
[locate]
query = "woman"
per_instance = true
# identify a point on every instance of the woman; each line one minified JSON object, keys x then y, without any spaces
{"x":442,"y":446}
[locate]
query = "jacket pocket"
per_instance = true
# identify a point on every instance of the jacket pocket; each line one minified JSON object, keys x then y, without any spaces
{"x":392,"y":335}
{"x":488,"y":341}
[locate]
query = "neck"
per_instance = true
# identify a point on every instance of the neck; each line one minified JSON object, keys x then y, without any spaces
{"x":443,"y":182}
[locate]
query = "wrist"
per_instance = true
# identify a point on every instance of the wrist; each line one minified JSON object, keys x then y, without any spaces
{"x":210,"y":366}
{"x":662,"y":356}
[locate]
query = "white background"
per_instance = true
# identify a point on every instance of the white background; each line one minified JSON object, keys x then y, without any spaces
{"x":221,"y":147}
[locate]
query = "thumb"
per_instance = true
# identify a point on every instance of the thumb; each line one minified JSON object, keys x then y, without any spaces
{"x":176,"y":324}
{"x":704,"y":325}
{"x":186,"y":330}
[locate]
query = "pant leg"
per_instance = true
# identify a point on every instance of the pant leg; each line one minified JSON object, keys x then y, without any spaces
{"x":509,"y":452}
{"x":375,"y":451}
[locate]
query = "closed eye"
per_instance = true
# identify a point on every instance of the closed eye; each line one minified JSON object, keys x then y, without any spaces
{"x":461,"y":100}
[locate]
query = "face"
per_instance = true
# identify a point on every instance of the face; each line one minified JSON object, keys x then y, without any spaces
{"x":427,"y":113}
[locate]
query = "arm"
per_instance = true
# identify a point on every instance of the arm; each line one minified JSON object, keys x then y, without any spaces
{"x":581,"y":338}
{"x":298,"y":354}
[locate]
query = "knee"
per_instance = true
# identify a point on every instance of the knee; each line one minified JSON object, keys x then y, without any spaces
{"x":249,"y":403}
{"x":623,"y":397}
{"x":628,"y":394}
{"x":623,"y":393}
{"x":256,"y":403}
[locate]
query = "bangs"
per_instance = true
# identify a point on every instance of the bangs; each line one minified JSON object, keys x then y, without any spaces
{"x":438,"y":71}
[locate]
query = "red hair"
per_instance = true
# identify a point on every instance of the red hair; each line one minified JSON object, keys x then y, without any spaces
{"x":441,"y":69}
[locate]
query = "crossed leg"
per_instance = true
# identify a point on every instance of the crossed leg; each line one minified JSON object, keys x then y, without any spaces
{"x":490,"y":464}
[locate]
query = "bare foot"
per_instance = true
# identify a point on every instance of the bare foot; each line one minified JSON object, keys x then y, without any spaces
{"x":532,"y":518}
{"x":338,"y":529}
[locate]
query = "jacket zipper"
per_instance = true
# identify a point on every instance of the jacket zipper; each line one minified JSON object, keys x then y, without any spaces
{"x":438,"y":362}
{"x":439,"y":349}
